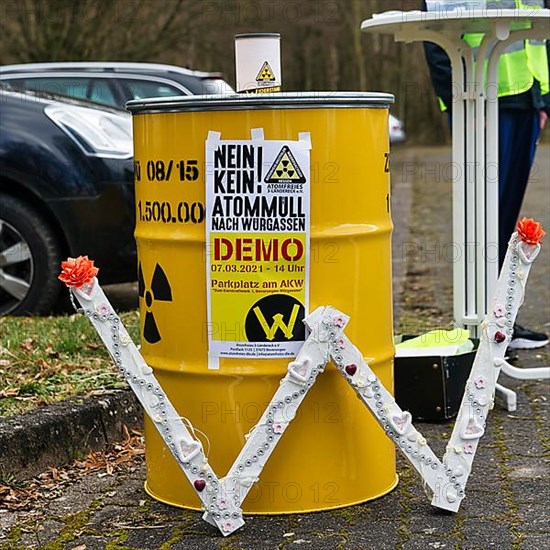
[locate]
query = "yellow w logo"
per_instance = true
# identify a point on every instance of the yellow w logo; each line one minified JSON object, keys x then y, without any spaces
{"x":278,"y":323}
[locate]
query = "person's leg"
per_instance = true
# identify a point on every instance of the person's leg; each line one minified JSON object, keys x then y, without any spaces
{"x":518,"y":134}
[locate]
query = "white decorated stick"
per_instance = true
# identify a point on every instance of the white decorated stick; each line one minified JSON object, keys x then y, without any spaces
{"x":497,"y":330}
{"x":221,"y":498}
{"x":446,"y":480}
{"x":396,"y":423}
{"x":326,"y":325}
{"x":187,"y":450}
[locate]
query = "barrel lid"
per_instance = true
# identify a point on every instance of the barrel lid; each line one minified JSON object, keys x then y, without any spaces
{"x":258,"y":35}
{"x":280,"y":100}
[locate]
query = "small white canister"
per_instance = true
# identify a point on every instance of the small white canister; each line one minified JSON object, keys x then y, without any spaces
{"x":258,"y":62}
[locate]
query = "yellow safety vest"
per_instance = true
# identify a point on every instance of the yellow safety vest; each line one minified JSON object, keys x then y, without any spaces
{"x":522,"y":62}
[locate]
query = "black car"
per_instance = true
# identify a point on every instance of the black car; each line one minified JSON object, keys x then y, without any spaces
{"x":66,"y":189}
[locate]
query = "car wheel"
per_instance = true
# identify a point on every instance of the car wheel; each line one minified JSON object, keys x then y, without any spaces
{"x":29,"y":260}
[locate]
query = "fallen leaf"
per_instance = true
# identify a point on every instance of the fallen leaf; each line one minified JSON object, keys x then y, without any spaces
{"x":10,"y":392}
{"x":28,"y":344}
{"x":51,"y":352}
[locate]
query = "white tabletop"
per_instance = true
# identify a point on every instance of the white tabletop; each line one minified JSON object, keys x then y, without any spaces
{"x":458,"y":21}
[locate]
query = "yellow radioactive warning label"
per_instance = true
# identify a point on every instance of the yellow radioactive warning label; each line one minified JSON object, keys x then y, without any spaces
{"x":265,"y":74}
{"x":285,"y":169}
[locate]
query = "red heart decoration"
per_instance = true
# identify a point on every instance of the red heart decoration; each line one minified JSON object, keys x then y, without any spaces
{"x":351,"y":369}
{"x":199,"y":484}
{"x":499,"y":337}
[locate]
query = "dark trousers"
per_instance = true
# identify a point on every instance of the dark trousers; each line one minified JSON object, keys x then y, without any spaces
{"x":518,"y":134}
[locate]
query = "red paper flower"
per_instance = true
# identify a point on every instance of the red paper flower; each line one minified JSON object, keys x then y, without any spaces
{"x":530,"y":231}
{"x":78,"y":271}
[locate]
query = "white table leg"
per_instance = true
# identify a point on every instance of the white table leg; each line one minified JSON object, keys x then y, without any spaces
{"x":479,"y":214}
{"x":469,"y":205}
{"x":509,"y":397}
{"x":535,"y":373}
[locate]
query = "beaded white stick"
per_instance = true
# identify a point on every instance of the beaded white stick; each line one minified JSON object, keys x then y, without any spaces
{"x":326,"y":325}
{"x":187,"y":450}
{"x":221,"y":498}
{"x":446,"y":480}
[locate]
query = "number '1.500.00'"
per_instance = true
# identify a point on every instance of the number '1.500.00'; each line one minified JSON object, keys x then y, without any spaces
{"x":164,"y":212}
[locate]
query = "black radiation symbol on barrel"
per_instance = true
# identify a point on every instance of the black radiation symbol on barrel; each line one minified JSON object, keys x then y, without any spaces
{"x":160,"y":290}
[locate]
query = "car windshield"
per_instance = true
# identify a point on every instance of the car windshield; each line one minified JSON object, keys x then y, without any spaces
{"x":138,"y":89}
{"x":93,"y":89}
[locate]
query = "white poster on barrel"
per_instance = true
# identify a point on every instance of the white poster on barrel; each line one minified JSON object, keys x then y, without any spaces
{"x":257,"y":236}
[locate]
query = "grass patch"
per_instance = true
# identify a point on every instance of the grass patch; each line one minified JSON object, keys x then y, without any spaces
{"x":47,"y":359}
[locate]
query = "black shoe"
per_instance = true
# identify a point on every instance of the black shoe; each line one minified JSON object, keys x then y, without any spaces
{"x":523,"y":338}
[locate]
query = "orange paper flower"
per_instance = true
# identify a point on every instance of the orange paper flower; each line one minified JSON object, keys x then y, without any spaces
{"x":78,"y":272}
{"x":530,"y":231}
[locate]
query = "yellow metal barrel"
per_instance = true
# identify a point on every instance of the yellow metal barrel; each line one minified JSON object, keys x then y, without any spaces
{"x":333,"y":454}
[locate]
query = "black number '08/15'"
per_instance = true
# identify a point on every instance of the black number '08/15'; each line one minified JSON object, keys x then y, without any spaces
{"x":158,"y":170}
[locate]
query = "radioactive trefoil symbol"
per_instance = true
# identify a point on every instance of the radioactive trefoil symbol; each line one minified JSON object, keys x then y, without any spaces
{"x":160,"y":290}
{"x":285,"y":169}
{"x":265,"y":74}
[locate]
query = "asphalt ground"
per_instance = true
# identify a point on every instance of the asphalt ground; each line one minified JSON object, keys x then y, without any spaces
{"x":90,"y":505}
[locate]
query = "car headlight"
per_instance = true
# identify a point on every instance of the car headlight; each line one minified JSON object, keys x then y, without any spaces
{"x":98,"y":133}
